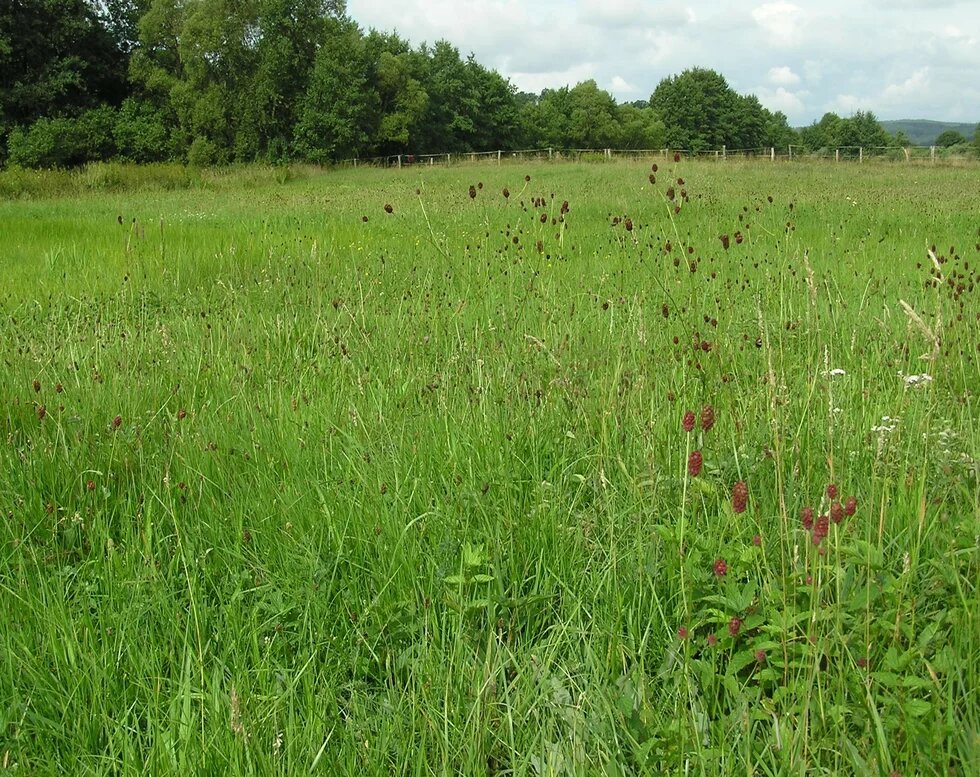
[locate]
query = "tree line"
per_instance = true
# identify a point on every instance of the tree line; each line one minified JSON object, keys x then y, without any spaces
{"x":220,"y":81}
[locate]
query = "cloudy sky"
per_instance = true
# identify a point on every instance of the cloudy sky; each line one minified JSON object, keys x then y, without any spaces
{"x":915,"y":59}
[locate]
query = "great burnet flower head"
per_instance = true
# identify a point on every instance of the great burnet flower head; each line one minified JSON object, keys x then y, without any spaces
{"x":688,"y":422}
{"x":694,"y":463}
{"x":740,"y":496}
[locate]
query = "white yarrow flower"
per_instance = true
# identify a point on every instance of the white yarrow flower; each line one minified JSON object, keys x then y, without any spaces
{"x":918,"y":380}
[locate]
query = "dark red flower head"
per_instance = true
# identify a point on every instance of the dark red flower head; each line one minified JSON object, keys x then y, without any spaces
{"x":117,"y":422}
{"x":707,"y":412}
{"x":694,"y":463}
{"x":850,"y":506}
{"x":836,"y":512}
{"x":720,"y":567}
{"x":734,"y":626}
{"x":740,"y":496}
{"x":806,"y":517}
{"x":688,"y":422}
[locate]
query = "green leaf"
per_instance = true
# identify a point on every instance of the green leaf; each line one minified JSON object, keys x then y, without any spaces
{"x":917,"y":708}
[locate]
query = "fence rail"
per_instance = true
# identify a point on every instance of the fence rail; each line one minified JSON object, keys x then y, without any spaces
{"x":770,"y":153}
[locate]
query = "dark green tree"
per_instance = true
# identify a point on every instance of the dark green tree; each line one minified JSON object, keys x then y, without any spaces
{"x":700,"y":111}
{"x":397,"y":74}
{"x":950,"y":138}
{"x":57,"y":59}
{"x":640,"y":127}
{"x":339,"y":113}
{"x":824,"y":134}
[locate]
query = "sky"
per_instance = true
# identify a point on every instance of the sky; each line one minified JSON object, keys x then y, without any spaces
{"x":901,"y":59}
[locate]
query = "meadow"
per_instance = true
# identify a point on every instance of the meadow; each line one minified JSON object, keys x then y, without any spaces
{"x":521,"y":470}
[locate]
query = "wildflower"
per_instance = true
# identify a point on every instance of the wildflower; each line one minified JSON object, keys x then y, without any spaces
{"x":832,"y":491}
{"x":720,"y":567}
{"x":41,"y":412}
{"x":724,"y":241}
{"x":682,"y":632}
{"x":506,"y":193}
{"x":388,"y":208}
{"x":806,"y":518}
{"x":181,"y":414}
{"x":472,"y":192}
{"x":734,"y":626}
{"x":694,"y":463}
{"x":654,"y":167}
{"x":712,"y":640}
{"x":914,"y":381}
{"x":760,"y":656}
{"x":850,"y":506}
{"x":37,"y":385}
{"x":677,"y":156}
{"x":707,"y":412}
{"x":740,"y":496}
{"x":836,"y":512}
{"x":688,"y":423}
{"x":757,"y":540}
{"x":90,"y":485}
{"x":117,"y":422}
{"x":821,"y":529}
{"x":836,"y":373}
{"x":58,"y":388}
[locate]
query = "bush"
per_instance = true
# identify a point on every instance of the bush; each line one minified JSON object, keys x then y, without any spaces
{"x":202,"y":153}
{"x":64,"y":142}
{"x":141,"y":133}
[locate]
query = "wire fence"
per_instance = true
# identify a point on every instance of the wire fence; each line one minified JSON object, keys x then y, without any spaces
{"x":790,"y":153}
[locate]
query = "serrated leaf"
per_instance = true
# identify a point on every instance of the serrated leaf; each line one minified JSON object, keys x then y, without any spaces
{"x":482,"y":578}
{"x":917,"y":708}
{"x":887,"y":679}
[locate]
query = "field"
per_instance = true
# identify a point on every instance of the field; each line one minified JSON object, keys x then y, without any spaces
{"x":292,"y":483}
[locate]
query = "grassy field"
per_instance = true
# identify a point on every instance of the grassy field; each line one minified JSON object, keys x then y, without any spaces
{"x":290,"y":483}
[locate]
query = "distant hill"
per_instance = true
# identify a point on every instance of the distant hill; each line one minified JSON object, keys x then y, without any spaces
{"x":923,"y":132}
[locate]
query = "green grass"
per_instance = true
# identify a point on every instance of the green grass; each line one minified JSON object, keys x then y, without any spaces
{"x":408,"y":495}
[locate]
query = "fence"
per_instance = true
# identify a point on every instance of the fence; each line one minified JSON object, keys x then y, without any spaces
{"x":769,"y":153}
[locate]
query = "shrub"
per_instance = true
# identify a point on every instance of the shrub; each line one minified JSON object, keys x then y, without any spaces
{"x":64,"y":142}
{"x":141,"y":133}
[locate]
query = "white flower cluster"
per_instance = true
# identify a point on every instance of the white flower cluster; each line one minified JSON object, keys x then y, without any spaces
{"x":913,"y":381}
{"x":887,"y":425}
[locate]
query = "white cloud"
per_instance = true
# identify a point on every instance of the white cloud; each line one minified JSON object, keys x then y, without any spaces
{"x":912,"y":85}
{"x":620,"y":85}
{"x":783,"y":100}
{"x":781,"y":22}
{"x":783,"y":76}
